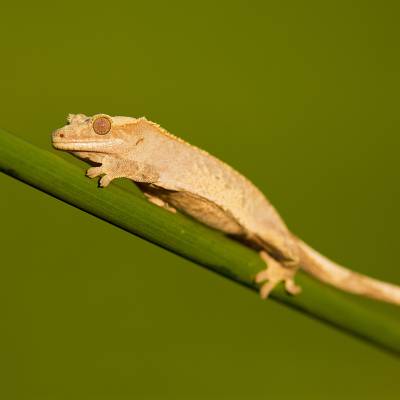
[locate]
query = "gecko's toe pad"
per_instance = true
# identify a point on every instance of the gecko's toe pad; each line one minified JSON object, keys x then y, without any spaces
{"x":94,"y":171}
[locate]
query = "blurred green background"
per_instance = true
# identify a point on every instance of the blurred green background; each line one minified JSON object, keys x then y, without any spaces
{"x":302,"y":97}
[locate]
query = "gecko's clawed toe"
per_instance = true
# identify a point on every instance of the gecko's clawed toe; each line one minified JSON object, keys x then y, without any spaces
{"x":291,"y":287}
{"x":94,"y":171}
{"x":105,"y":180}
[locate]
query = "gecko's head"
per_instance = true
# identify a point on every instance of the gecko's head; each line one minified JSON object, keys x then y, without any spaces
{"x":100,"y":133}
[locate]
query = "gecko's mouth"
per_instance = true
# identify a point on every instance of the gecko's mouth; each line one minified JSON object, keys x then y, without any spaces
{"x":84,"y":145}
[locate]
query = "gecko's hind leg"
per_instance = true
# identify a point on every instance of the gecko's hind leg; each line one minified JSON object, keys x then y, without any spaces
{"x":274,"y":274}
{"x":159,"y":202}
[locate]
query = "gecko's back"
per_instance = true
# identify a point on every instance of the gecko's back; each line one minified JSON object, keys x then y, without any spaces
{"x":201,"y":185}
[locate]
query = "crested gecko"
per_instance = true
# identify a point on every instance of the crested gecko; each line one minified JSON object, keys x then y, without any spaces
{"x":176,"y":175}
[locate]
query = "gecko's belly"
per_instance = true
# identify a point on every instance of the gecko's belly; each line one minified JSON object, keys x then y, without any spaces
{"x":204,"y":211}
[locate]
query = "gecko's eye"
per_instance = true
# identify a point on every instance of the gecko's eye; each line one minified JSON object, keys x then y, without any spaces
{"x":102,"y":124}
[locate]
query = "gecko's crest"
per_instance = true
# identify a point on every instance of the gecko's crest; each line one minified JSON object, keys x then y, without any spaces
{"x":72,"y":118}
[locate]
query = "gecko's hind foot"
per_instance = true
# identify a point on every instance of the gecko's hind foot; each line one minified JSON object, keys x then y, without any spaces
{"x":273,"y":275}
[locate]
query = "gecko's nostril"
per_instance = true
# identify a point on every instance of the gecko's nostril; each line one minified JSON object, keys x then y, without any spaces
{"x":61,"y":135}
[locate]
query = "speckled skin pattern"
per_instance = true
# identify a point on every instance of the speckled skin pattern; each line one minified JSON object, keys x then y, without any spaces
{"x":174,"y":174}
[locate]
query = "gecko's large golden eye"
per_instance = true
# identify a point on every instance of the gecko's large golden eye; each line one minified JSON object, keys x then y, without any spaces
{"x":101,"y":124}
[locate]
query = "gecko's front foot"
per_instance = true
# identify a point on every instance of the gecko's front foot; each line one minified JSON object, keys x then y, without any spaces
{"x":94,"y":171}
{"x":274,"y":274}
{"x":97,"y":171}
{"x":109,"y":169}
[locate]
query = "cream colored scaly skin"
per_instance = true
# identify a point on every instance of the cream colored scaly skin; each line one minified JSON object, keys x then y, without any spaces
{"x":176,"y":175}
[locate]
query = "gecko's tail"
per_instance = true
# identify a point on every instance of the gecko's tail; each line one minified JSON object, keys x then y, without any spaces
{"x":342,"y":278}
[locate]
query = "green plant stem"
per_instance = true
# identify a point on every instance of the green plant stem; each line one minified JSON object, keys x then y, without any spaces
{"x":181,"y":235}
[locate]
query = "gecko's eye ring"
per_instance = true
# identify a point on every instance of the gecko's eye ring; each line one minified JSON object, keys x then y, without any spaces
{"x":101,"y":124}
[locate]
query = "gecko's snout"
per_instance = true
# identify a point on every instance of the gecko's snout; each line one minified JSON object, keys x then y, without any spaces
{"x":57,"y":134}
{"x":57,"y":137}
